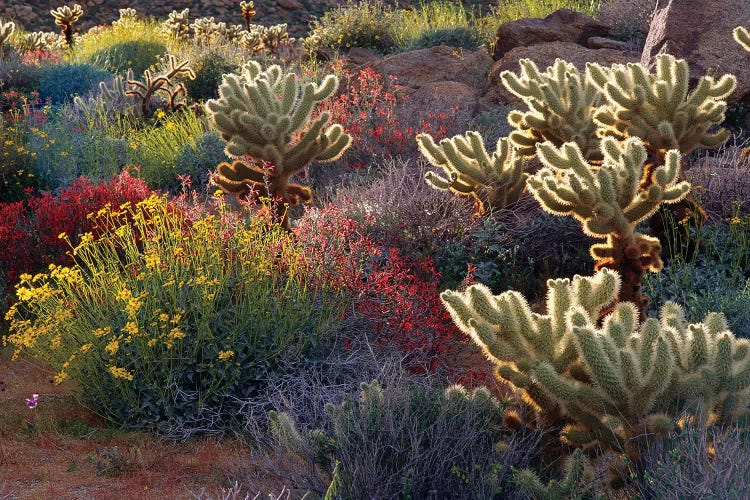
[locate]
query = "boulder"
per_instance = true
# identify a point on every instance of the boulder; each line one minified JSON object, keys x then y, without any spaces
{"x":701,"y":33}
{"x":417,"y":68}
{"x":544,"y":55}
{"x":563,"y":25}
{"x":456,"y":101}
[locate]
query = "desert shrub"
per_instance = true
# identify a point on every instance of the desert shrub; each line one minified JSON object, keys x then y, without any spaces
{"x":157,"y":146}
{"x":138,"y":55}
{"x":413,"y":441}
{"x":493,"y":123}
{"x":61,"y":82}
{"x":365,"y":24}
{"x":200,"y":158}
{"x":209,"y":69}
{"x":146,"y":31}
{"x":162,"y":323}
{"x":460,"y":37}
{"x":628,"y":19}
{"x":29,"y":229}
{"x":517,"y":248}
{"x":696,"y":463}
{"x":17,"y":177}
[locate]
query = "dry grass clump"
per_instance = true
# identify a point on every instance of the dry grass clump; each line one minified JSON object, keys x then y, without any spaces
{"x":629,"y":19}
{"x":722,"y":180}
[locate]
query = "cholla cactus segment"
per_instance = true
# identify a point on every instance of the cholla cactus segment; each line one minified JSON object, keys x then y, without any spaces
{"x":579,"y":480}
{"x":494,"y":181}
{"x":561,"y":102}
{"x":658,"y":107}
{"x":178,"y":24}
{"x":267,"y":116}
{"x":65,"y":17}
{"x":248,"y":13}
{"x":612,"y":378}
{"x":742,"y":36}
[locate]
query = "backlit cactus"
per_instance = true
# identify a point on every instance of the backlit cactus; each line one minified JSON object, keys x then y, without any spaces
{"x":65,"y":17}
{"x":609,"y":202}
{"x":178,"y":24}
{"x":494,"y":181}
{"x":579,"y":479}
{"x":247,"y":9}
{"x":614,"y":379}
{"x":561,"y":104}
{"x":6,"y":31}
{"x":162,"y":84}
{"x":659,"y":108}
{"x":742,"y":36}
{"x":266,"y":115}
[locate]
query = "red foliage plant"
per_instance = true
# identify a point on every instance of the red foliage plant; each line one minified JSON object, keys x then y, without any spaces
{"x":30,"y":229}
{"x":399,"y":295}
{"x":365,"y":106}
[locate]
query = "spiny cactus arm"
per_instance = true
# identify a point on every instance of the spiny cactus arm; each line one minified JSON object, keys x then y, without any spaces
{"x":657,"y":106}
{"x":67,"y":15}
{"x":742,"y":36}
{"x":577,"y":482}
{"x":560,"y":101}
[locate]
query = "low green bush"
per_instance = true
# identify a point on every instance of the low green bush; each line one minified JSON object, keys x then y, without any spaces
{"x":209,"y":69}
{"x":460,"y":37}
{"x":166,"y":324}
{"x":59,"y":83}
{"x":200,"y":158}
{"x":366,"y":24}
{"x":138,"y":55}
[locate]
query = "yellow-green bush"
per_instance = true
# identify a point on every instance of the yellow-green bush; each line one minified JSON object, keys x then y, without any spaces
{"x":168,"y":325}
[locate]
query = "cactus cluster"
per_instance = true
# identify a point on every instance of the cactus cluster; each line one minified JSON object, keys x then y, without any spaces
{"x":561,"y":104}
{"x":177,"y":24}
{"x":247,"y":9}
{"x":266,"y":115}
{"x":612,"y":380}
{"x":65,"y":17}
{"x":609,"y":202}
{"x":152,"y":85}
{"x":128,"y":17}
{"x":494,"y":181}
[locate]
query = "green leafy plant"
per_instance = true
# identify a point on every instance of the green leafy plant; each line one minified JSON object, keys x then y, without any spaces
{"x":166,"y":325}
{"x":137,"y":55}
{"x":61,"y":82}
{"x":365,"y":24}
{"x":266,"y":115}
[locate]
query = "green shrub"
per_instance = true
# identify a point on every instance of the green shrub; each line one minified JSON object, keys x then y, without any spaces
{"x":209,"y":69}
{"x":139,"y":55}
{"x":461,"y":37}
{"x":61,"y":82}
{"x":366,"y":24}
{"x":167,"y":324}
{"x":199,"y":158}
{"x":412,"y":441}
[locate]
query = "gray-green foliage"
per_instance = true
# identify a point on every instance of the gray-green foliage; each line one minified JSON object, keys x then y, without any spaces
{"x":138,"y":55}
{"x":413,"y":441}
{"x":200,"y":158}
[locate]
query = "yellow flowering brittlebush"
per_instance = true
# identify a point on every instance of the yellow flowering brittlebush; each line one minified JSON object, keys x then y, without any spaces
{"x":160,"y":317}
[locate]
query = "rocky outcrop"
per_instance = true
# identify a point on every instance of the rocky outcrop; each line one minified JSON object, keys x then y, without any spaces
{"x":701,"y":33}
{"x":563,"y":25}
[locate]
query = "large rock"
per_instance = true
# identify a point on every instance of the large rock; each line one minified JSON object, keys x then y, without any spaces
{"x":700,"y":32}
{"x":544,"y":55}
{"x":448,"y":104}
{"x":561,"y":26}
{"x":436,"y":64}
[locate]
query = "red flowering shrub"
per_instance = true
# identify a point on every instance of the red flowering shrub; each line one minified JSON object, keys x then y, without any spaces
{"x":400,"y":296}
{"x":29,"y":229}
{"x":365,"y":107}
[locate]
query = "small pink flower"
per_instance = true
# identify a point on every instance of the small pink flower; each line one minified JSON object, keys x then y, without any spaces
{"x":31,"y":403}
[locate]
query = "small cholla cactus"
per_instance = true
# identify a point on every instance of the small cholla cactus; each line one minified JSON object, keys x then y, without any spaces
{"x":6,"y":31}
{"x":127,"y":17}
{"x":65,"y":17}
{"x":266,"y":115}
{"x":252,"y":40}
{"x":494,"y":181}
{"x":147,"y":89}
{"x":248,"y":13}
{"x":275,"y":36}
{"x":177,"y":24}
{"x":742,"y":36}
{"x":205,"y":29}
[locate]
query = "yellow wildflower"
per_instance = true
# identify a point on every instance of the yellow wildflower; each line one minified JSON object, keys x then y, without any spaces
{"x":118,"y":372}
{"x":225,"y":355}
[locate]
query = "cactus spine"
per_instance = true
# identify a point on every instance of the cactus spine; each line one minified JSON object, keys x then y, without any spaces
{"x":65,"y":17}
{"x":494,"y":181}
{"x":561,"y":104}
{"x":613,"y":383}
{"x":609,"y":203}
{"x":267,"y":115}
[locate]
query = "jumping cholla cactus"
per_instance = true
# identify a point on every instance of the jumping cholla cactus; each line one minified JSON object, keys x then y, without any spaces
{"x":742,"y":36}
{"x":658,"y":108}
{"x":178,"y":25}
{"x":266,"y":115}
{"x":579,"y":480}
{"x":205,"y":30}
{"x":274,"y":37}
{"x":252,"y":40}
{"x":248,"y":13}
{"x":6,"y":31}
{"x":494,"y":181}
{"x":65,"y":17}
{"x":145,"y":90}
{"x":127,"y":17}
{"x":609,"y":202}
{"x":614,"y":380}
{"x":561,"y":105}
